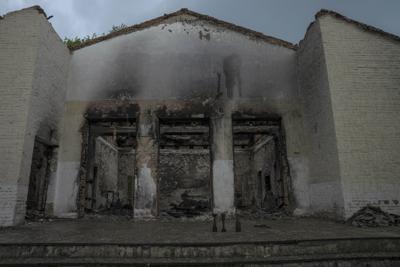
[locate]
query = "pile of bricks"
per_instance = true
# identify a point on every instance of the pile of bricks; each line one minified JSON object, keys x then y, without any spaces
{"x":370,"y":216}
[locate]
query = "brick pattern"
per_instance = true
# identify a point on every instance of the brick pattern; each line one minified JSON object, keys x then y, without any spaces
{"x":33,"y":72}
{"x":18,"y":42}
{"x":320,"y":142}
{"x":8,"y":198}
{"x":364,"y":78}
{"x":48,"y":91}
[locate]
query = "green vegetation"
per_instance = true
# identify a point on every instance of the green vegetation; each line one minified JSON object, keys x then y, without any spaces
{"x":77,"y":41}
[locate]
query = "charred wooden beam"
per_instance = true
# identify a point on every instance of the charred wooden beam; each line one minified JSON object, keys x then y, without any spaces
{"x":111,"y":130}
{"x":184,"y":129}
{"x":263,"y":129}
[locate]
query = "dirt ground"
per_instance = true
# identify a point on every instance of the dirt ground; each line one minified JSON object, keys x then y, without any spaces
{"x":122,"y":230}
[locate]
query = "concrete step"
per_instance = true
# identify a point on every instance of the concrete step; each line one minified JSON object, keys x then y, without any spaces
{"x":330,"y":260}
{"x":234,"y":253}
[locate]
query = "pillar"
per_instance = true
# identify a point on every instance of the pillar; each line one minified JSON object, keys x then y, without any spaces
{"x":222,"y":159}
{"x":146,"y":178}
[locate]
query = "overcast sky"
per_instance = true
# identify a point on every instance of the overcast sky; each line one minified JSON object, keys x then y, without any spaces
{"x":285,"y":19}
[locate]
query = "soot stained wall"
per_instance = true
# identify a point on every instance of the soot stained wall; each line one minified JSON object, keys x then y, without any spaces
{"x":172,"y":61}
{"x":172,"y":67}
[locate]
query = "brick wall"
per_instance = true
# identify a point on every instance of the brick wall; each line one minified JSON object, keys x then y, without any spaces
{"x":364,"y":80}
{"x":49,"y":90}
{"x":18,"y":42}
{"x":324,"y":188}
{"x":33,"y":73}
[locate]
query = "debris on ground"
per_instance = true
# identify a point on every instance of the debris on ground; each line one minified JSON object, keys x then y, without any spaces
{"x":255,"y":214}
{"x":190,"y":206}
{"x":371,"y":216}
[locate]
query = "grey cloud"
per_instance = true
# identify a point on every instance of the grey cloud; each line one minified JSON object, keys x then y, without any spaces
{"x":286,"y":19}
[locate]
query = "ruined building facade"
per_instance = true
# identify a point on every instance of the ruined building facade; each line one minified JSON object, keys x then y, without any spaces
{"x":186,"y":115}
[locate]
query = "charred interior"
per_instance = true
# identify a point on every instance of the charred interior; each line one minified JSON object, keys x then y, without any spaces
{"x":39,"y":178}
{"x":111,"y":167}
{"x":183,"y":170}
{"x":183,"y":154}
{"x":258,"y":170}
{"x":184,"y":167}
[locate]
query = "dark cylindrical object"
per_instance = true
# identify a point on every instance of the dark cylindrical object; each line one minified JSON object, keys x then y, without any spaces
{"x":223,"y":222}
{"x":214,"y":228}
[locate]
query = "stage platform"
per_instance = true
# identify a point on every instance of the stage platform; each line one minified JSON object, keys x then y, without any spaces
{"x":114,"y":241}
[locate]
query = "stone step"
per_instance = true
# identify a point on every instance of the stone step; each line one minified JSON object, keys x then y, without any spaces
{"x":328,"y":260}
{"x":263,"y":252}
{"x":201,"y":250}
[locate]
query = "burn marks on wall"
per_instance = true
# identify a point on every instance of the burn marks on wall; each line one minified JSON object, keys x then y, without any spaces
{"x":184,"y":133}
{"x":124,"y":81}
{"x":112,"y":111}
{"x":231,"y":67}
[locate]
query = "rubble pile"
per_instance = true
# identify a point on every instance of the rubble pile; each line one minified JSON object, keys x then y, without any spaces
{"x":370,"y":216}
{"x":255,"y":214}
{"x":190,"y":206}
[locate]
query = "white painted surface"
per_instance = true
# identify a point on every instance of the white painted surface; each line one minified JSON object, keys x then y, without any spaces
{"x":299,"y":174}
{"x":223,"y":186}
{"x":67,"y":188}
{"x":145,"y":192}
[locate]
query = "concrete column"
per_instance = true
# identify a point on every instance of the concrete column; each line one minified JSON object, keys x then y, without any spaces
{"x":222,"y":160}
{"x":146,"y":180}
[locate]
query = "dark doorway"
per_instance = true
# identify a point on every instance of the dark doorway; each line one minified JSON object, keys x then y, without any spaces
{"x":260,"y":180}
{"x":111,"y":167}
{"x":38,"y":179}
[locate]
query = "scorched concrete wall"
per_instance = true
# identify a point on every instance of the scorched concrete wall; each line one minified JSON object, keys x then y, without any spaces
{"x":180,"y":65}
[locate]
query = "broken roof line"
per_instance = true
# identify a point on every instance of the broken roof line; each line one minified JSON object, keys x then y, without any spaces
{"x":185,"y":11}
{"x":366,"y":27}
{"x":240,"y":29}
{"x":36,"y":7}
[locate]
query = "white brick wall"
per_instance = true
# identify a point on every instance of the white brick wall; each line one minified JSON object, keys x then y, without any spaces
{"x":48,"y":92}
{"x":364,"y":80}
{"x":33,"y":71}
{"x":324,"y":177}
{"x":18,"y":42}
